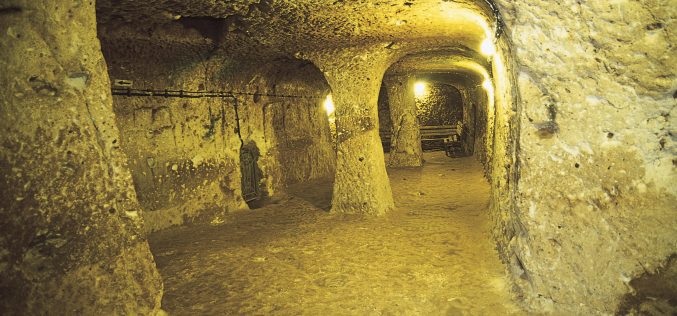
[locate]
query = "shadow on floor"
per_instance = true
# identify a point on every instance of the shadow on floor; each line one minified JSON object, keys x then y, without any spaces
{"x":317,"y":192}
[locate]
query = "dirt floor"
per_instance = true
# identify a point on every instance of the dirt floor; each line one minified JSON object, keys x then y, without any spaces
{"x":432,"y":256}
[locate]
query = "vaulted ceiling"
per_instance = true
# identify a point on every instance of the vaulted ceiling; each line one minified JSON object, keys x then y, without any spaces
{"x":269,"y":29}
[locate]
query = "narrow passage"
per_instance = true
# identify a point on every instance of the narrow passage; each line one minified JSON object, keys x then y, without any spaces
{"x":431,"y":256}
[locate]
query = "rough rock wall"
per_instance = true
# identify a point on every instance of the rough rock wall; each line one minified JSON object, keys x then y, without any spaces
{"x":442,"y":105}
{"x":405,"y":141}
{"x":296,"y":130}
{"x":299,"y":136}
{"x":596,"y":203}
{"x":184,"y":152}
{"x":654,"y":293}
{"x":384,"y":122}
{"x":474,"y":121}
{"x":71,"y":233}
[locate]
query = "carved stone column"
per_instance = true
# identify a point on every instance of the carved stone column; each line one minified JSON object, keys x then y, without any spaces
{"x":355,"y":75}
{"x":405,"y":148}
{"x":71,"y":234}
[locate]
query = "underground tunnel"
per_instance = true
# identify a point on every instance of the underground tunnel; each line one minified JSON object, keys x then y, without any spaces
{"x":322,"y":157}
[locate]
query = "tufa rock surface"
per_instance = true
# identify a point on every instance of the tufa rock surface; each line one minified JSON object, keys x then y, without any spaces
{"x":71,"y":237}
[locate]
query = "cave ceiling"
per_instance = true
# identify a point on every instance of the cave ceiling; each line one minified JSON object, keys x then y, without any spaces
{"x":462,"y":67}
{"x":271,"y":29}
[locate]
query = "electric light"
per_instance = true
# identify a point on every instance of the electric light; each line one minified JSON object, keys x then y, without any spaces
{"x":487,"y":85}
{"x":420,"y":89}
{"x":488,"y":49}
{"x":329,"y":105}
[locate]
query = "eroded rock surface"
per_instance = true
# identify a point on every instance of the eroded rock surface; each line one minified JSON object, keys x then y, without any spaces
{"x":361,"y":182}
{"x":71,"y":237}
{"x":574,"y":122}
{"x":596,"y":194}
{"x":405,"y":141}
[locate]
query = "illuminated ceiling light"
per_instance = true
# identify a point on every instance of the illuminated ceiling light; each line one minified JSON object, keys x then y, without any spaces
{"x":329,"y":105}
{"x":420,"y":89}
{"x":488,"y":49}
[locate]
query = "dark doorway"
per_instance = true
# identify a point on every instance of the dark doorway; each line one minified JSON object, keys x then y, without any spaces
{"x":251,"y":174}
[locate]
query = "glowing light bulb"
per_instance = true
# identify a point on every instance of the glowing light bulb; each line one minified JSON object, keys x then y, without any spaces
{"x":329,"y":105}
{"x":488,"y":48}
{"x":420,"y":89}
{"x":487,"y":85}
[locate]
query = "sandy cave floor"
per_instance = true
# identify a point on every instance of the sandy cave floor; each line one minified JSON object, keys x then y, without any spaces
{"x":431,"y":256}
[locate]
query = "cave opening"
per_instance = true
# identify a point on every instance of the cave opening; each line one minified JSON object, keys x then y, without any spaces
{"x":337,"y":157}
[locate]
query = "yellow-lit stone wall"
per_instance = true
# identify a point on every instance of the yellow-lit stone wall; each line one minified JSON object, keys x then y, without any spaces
{"x":71,"y":237}
{"x":595,"y":198}
{"x":441,"y":104}
{"x":475,"y":120}
{"x":184,"y":153}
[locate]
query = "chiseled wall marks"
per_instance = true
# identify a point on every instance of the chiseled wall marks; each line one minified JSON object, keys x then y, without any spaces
{"x":299,"y":136}
{"x":184,"y":153}
{"x":595,"y":202}
{"x":184,"y":157}
{"x":442,"y":104}
{"x":72,"y":239}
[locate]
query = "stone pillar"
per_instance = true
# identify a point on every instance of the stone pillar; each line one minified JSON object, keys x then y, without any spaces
{"x":71,"y":238}
{"x":470,"y":110}
{"x":405,"y":147}
{"x":361,"y":185}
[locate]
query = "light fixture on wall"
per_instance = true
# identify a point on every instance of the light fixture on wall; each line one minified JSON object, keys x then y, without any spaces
{"x":488,"y":49}
{"x":487,"y":85}
{"x":329,"y":105}
{"x":420,"y":89}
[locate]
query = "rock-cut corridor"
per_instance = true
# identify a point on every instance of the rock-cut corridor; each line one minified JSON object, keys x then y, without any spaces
{"x":324,"y":157}
{"x":431,"y":256}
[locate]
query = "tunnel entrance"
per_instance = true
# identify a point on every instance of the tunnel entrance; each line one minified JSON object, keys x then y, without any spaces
{"x":438,"y":111}
{"x":436,"y":101}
